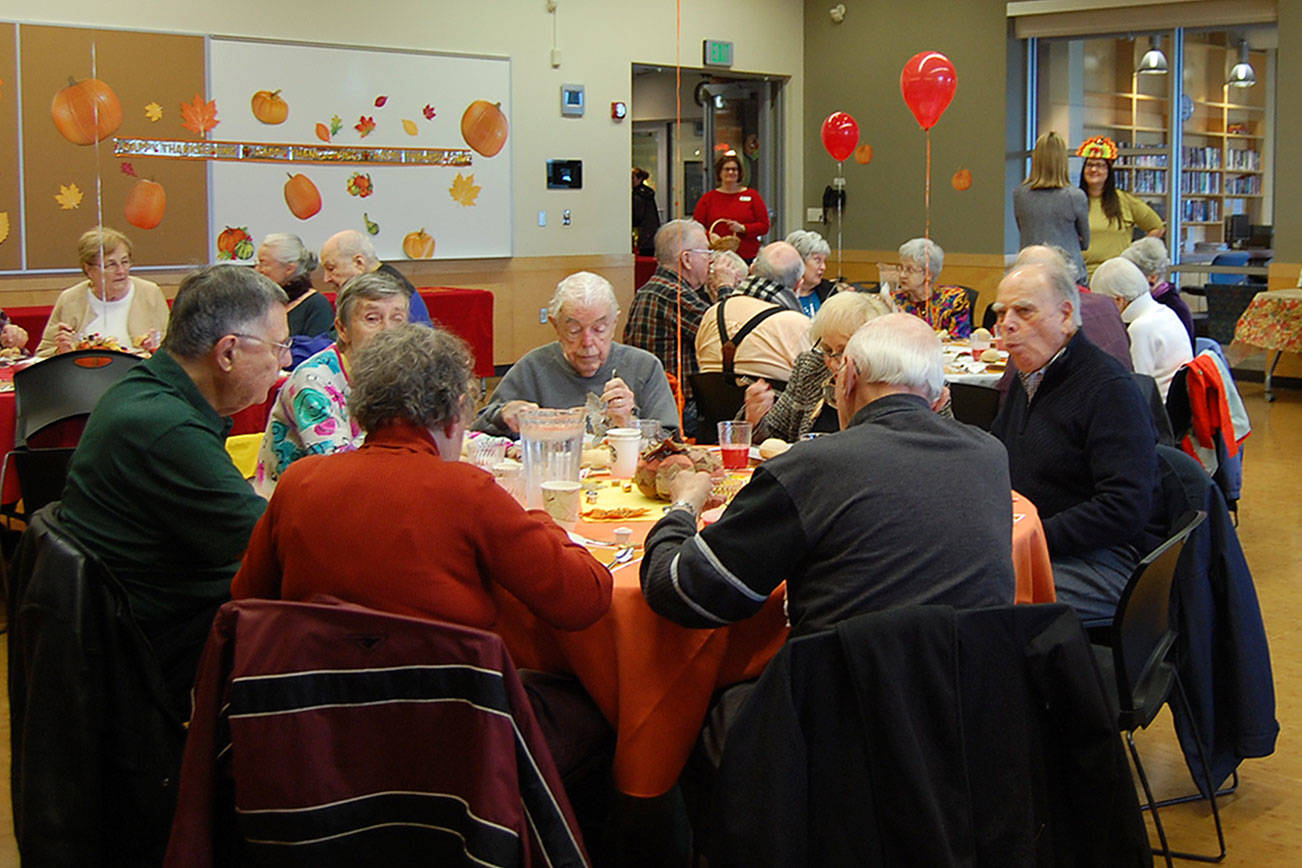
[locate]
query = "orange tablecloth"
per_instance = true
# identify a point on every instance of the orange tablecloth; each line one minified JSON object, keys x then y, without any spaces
{"x":1273,"y":321}
{"x":653,"y":679}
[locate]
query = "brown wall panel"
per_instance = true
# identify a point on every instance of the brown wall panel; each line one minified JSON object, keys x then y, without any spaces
{"x":11,"y":249}
{"x":142,"y":68}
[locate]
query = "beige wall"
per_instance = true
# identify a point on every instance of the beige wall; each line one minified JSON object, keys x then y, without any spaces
{"x":599,"y":40}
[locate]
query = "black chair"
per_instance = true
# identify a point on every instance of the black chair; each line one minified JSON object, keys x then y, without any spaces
{"x":972,"y":296}
{"x":1225,"y":304}
{"x":1153,"y":397}
{"x":973,"y":404}
{"x":718,"y":397}
{"x":1137,"y":650}
{"x":52,"y":401}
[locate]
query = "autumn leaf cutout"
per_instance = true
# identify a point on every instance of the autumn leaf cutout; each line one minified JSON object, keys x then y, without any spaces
{"x":70,"y":196}
{"x":154,"y":112}
{"x":364,"y":126}
{"x":464,"y":189}
{"x":199,"y":116}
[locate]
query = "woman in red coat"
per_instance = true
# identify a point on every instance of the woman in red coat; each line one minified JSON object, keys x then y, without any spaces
{"x":740,"y":208}
{"x":402,"y":525}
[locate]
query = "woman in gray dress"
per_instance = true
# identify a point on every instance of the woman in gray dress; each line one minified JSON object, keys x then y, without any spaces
{"x":1049,"y":209}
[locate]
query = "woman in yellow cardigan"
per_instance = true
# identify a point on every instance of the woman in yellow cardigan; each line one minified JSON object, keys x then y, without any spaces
{"x":1113,"y":213}
{"x":109,"y":302}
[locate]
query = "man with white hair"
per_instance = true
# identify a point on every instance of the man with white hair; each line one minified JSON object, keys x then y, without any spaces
{"x":1159,"y":345}
{"x":677,"y":289}
{"x":853,"y":522}
{"x":761,"y":320}
{"x":349,"y":253}
{"x":583,"y":360}
{"x":1080,"y":439}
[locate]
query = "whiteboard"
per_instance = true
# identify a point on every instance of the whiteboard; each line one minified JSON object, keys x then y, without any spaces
{"x":320,"y":82}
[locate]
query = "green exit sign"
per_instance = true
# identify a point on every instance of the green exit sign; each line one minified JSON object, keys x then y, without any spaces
{"x":718,"y":53}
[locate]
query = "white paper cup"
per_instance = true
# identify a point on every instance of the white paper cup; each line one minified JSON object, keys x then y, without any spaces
{"x":627,"y":443}
{"x":560,"y":498}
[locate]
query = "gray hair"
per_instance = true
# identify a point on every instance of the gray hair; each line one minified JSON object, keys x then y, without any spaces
{"x":671,"y":240}
{"x":289,"y":250}
{"x":410,"y":373}
{"x":216,"y":301}
{"x":374,"y":285}
{"x":1053,"y":261}
{"x":583,"y":289}
{"x":899,"y":349}
{"x":729,"y":258}
{"x":807,"y":243}
{"x":1119,"y":278}
{"x":924,"y":252}
{"x":776,"y":264}
{"x":846,"y":312}
{"x":1149,"y":254}
{"x":350,"y":242}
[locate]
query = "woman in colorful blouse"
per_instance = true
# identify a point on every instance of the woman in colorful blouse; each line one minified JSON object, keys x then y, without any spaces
{"x":310,"y":415}
{"x":946,"y":308}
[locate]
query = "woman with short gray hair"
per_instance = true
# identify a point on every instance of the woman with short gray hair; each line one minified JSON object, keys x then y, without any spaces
{"x":913,"y":289}
{"x":310,"y":414}
{"x":814,"y":290}
{"x":283,"y":258}
{"x":1149,"y":254}
{"x":401,"y":524}
{"x":1158,"y":345}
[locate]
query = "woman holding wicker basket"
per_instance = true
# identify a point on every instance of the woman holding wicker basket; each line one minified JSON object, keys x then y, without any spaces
{"x":734,"y":215}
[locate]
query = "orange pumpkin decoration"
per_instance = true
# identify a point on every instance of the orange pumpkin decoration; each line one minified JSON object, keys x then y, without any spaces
{"x":302,"y":196}
{"x":484,"y":127}
{"x":269,"y":108}
{"x":962,"y":179}
{"x":418,"y":245}
{"x":863,"y":154}
{"x":146,"y":203}
{"x":86,"y":111}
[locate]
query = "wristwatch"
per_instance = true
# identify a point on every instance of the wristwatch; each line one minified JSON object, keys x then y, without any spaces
{"x":682,"y":504}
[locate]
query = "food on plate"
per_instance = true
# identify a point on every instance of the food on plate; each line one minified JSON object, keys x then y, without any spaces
{"x":992,"y":356}
{"x":598,"y":457}
{"x":11,"y":354}
{"x":96,"y":341}
{"x":617,"y":513}
{"x":773,"y":447}
{"x":660,"y":463}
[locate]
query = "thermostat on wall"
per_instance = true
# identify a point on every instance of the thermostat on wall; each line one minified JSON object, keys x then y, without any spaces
{"x":572,"y":100}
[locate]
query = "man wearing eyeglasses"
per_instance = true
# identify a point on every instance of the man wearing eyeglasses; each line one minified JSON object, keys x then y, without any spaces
{"x":151,"y":490}
{"x":583,"y":360}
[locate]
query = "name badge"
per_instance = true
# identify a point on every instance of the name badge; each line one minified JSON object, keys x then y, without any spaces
{"x":743,"y":198}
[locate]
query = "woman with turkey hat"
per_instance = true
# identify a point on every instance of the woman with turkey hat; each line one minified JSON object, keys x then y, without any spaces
{"x":1113,"y":213}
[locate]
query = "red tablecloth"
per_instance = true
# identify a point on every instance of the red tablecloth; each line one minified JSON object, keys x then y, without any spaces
{"x":653,"y":679}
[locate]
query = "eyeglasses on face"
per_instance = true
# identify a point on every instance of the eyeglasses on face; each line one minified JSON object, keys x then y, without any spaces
{"x":832,"y":356}
{"x":280,"y":348}
{"x":115,"y":264}
{"x":599,"y":329}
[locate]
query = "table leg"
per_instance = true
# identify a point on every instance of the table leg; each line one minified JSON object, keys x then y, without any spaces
{"x":1270,"y":396}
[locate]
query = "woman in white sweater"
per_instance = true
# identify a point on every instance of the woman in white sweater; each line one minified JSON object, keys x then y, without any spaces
{"x":1159,"y":345}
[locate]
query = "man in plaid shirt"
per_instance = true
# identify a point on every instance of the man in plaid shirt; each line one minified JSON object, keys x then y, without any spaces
{"x":682,"y":259}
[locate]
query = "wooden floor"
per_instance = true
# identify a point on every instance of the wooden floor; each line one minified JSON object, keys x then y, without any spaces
{"x":1263,"y":820}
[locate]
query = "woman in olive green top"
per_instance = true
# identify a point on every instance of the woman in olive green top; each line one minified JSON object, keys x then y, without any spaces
{"x":1113,"y":213}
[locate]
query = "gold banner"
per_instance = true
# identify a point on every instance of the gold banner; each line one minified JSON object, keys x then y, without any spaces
{"x":262,"y":152}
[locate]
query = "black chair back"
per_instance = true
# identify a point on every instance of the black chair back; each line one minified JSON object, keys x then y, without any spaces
{"x":1157,"y":406}
{"x":973,"y":404}
{"x":1142,"y":634}
{"x":718,"y":397}
{"x":63,"y":387}
{"x":1225,"y":304}
{"x":41,"y":475}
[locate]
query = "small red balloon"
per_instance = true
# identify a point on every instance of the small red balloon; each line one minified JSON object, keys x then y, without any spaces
{"x":927,"y":83}
{"x":840,"y":135}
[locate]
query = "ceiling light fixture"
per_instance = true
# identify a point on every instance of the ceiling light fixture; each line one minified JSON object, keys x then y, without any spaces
{"x":1154,"y":61}
{"x":1242,"y":75}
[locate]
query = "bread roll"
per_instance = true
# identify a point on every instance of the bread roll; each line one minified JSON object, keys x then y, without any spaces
{"x":773,"y":447}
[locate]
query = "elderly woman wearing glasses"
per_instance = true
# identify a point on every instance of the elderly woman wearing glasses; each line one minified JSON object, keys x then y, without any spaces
{"x":914,"y":289}
{"x":109,"y":302}
{"x":803,"y":406}
{"x":583,"y":360}
{"x":310,"y":414}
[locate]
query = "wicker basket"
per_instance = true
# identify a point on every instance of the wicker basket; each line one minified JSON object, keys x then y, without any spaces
{"x":722,"y":242}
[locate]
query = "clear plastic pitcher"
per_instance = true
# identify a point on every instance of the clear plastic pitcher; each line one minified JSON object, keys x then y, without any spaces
{"x":551,"y":442}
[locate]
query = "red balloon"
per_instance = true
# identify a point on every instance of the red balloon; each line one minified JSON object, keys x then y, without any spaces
{"x":840,"y":135}
{"x":927,"y":82}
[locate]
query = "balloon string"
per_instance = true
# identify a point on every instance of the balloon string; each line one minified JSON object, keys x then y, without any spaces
{"x":680,"y":398}
{"x":927,"y":193}
{"x":99,"y":179}
{"x":840,"y":220}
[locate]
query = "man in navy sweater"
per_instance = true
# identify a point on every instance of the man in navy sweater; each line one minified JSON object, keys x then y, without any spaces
{"x":1081,"y":441}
